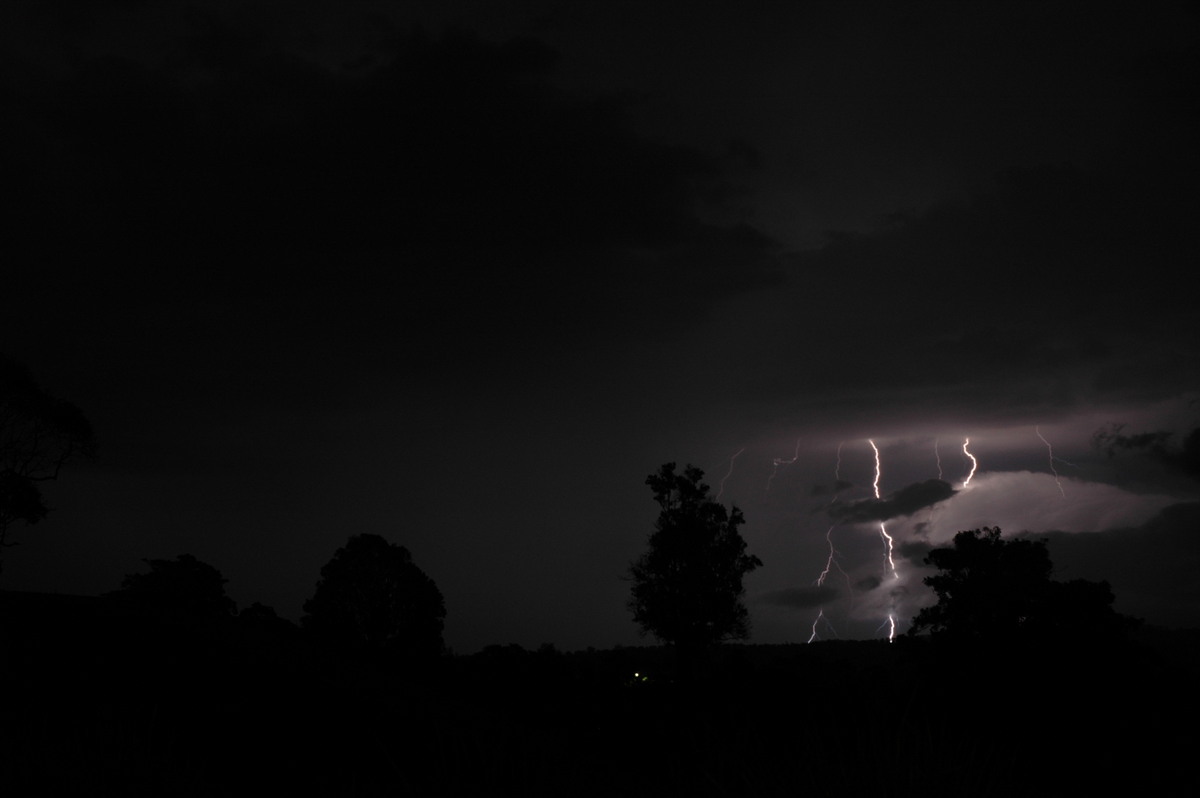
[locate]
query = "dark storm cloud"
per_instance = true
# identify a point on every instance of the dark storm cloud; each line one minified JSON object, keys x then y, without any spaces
{"x":903,"y":502}
{"x":247,"y":233}
{"x":445,"y":203}
{"x":799,"y":598}
{"x":1056,"y":284}
{"x":453,"y":142}
{"x":1182,"y":458}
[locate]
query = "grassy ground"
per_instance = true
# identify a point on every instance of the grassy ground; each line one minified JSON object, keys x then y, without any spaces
{"x":828,"y":719}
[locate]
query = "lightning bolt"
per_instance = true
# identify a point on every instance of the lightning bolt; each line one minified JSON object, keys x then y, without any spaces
{"x":780,"y":461}
{"x":974,"y":462}
{"x":817,"y":620}
{"x":830,"y":563}
{"x":890,"y":623}
{"x":878,"y":467}
{"x":721,"y":487}
{"x":883,"y":533}
{"x":891,"y":619}
{"x":937,"y":456}
{"x":1053,"y":470}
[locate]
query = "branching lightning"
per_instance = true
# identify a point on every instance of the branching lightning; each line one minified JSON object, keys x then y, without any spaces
{"x":890,"y":623}
{"x":820,"y":617}
{"x":781,"y":461}
{"x":830,"y":563}
{"x":974,"y":462}
{"x":883,"y":533}
{"x":1053,"y":470}
{"x":721,"y":487}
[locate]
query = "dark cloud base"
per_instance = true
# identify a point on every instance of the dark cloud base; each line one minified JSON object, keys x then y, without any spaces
{"x":904,"y":502}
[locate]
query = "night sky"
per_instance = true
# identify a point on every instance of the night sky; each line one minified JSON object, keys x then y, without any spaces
{"x":462,"y":274}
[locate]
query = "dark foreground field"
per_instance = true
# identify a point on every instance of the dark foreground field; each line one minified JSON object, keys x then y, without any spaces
{"x":93,"y":706}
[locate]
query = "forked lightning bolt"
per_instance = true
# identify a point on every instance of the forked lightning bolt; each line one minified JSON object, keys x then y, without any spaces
{"x":890,"y":623}
{"x":780,"y":461}
{"x":820,"y":617}
{"x":830,"y":564}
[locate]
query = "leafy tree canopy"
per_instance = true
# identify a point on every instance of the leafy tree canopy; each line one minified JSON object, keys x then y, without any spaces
{"x":994,"y":589}
{"x":373,"y":598}
{"x":687,"y":587}
{"x":184,"y":587}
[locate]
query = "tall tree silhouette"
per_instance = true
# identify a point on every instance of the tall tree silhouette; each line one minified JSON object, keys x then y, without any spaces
{"x":687,"y":588}
{"x":373,"y":599}
{"x":38,"y":436}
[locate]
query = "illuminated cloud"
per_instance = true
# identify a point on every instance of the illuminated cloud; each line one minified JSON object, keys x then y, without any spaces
{"x":1019,"y":501}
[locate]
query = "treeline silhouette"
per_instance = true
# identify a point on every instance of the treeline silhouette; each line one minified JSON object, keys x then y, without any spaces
{"x":162,"y":687}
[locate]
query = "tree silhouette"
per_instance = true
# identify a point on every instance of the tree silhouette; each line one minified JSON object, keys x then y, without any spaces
{"x":38,"y":436}
{"x":373,"y":599}
{"x":687,"y":587}
{"x":184,"y":588}
{"x":172,"y":624}
{"x":996,"y":590}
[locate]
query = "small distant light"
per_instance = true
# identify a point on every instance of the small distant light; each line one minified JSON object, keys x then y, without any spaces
{"x":636,"y":674}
